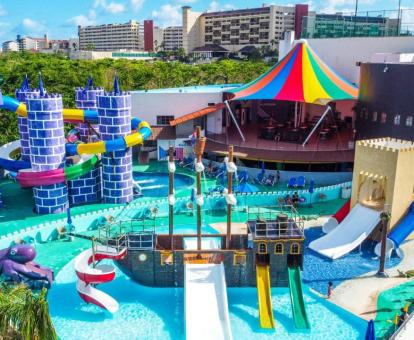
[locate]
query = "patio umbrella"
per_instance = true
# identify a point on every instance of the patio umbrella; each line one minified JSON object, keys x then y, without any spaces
{"x":370,"y":334}
{"x":311,"y":190}
{"x":192,"y":197}
{"x":69,"y":220}
{"x":245,"y":187}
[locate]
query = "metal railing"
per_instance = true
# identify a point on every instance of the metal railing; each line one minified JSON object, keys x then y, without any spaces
{"x":385,"y":23}
{"x":265,"y":222}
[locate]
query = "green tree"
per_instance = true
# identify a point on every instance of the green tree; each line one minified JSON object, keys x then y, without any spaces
{"x":24,"y":314}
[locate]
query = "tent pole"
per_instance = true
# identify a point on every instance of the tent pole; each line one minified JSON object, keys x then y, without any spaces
{"x":234,"y":120}
{"x":317,"y":124}
{"x":296,"y":115}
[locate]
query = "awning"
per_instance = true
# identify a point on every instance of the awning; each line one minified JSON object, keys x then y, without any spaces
{"x":301,"y":76}
{"x":197,"y":114}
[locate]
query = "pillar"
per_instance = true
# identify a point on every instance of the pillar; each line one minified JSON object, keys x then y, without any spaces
{"x":87,"y":188}
{"x":114,"y":110}
{"x":47,"y":148}
{"x":21,"y":95}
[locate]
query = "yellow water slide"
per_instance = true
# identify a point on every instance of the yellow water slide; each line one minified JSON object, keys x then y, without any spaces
{"x":264,"y":296}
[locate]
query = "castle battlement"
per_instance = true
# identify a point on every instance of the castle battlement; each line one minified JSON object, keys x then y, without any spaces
{"x":387,"y":144}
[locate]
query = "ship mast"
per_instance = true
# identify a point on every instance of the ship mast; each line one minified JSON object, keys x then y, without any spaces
{"x":229,"y":205}
{"x":171,"y":198}
{"x":198,"y":151}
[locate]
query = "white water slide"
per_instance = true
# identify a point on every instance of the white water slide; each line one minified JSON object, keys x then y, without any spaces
{"x":349,"y":234}
{"x":206,"y":308}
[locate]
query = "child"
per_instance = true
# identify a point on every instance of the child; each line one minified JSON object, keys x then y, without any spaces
{"x":330,"y":289}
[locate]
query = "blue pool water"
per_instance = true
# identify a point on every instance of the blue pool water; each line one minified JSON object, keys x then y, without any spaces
{"x":156,"y":184}
{"x":318,"y":270}
{"x":157,"y":313}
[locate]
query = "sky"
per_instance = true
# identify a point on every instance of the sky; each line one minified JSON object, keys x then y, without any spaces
{"x":60,"y":18}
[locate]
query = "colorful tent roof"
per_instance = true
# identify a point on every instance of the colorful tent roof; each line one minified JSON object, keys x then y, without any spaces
{"x":300,"y":76}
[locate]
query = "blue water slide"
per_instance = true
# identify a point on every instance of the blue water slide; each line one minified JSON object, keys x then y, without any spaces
{"x":12,"y":165}
{"x":403,"y":229}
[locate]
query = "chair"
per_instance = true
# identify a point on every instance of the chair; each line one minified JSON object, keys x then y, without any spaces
{"x":292,"y":182}
{"x":301,"y":182}
{"x":270,"y":180}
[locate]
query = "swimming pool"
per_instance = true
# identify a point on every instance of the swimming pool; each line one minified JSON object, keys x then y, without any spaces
{"x":157,"y":313}
{"x":318,"y":270}
{"x":155,"y":184}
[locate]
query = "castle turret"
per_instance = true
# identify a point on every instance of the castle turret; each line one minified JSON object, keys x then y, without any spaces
{"x":47,"y":147}
{"x":87,"y":188}
{"x":114,"y":110}
{"x":21,"y":94}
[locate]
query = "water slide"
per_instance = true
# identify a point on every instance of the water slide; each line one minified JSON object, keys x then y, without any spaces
{"x":88,"y":116}
{"x":87,"y":160}
{"x":264,"y":296}
{"x":398,"y":235}
{"x":296,"y":296}
{"x":206,"y":307}
{"x":339,"y":216}
{"x":89,"y":276}
{"x":349,"y":234}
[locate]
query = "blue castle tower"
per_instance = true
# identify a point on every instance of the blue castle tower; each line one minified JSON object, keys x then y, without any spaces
{"x":21,"y":94}
{"x":47,"y":147}
{"x":86,"y":189}
{"x":114,"y":110}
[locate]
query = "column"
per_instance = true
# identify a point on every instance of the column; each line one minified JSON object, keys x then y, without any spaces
{"x":87,"y":188}
{"x":47,"y":149}
{"x":114,"y":110}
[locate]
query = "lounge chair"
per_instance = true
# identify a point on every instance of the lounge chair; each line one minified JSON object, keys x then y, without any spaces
{"x":260,"y":177}
{"x":292,"y":182}
{"x":300,"y":183}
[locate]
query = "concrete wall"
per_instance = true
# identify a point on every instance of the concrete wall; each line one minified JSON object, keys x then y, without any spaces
{"x":148,"y":105}
{"x":342,"y":54}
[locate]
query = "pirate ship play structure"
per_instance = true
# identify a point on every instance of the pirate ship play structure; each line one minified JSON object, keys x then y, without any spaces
{"x":269,"y":254}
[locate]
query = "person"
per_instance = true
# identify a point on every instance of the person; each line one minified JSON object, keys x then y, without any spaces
{"x":277,"y":176}
{"x":404,"y":316}
{"x":288,"y":200}
{"x":330,"y":289}
{"x":295,"y":199}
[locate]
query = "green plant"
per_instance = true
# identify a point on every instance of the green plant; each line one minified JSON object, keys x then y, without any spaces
{"x":24,"y":314}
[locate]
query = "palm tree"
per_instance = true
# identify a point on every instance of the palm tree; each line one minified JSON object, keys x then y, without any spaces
{"x":24,"y":314}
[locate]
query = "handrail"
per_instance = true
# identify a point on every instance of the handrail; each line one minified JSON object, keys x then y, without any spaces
{"x":402,"y":327}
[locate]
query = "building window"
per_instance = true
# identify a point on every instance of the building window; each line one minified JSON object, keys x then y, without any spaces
{"x":295,"y":248}
{"x":239,"y":258}
{"x":262,"y":248}
{"x":397,"y":119}
{"x":279,"y":248}
{"x":409,"y":121}
{"x":383,"y":117}
{"x":374,"y":116}
{"x":164,"y":120}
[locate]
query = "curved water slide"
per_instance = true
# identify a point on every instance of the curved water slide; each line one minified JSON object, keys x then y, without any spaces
{"x":398,"y":235}
{"x":264,"y":297}
{"x":296,"y":296}
{"x":87,"y":161}
{"x":337,"y":218}
{"x":349,"y":234}
{"x":29,"y":178}
{"x":89,"y":116}
{"x":90,"y":276}
{"x":206,"y":307}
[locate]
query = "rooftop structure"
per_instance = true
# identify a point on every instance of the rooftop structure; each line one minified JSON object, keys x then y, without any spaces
{"x":235,"y":29}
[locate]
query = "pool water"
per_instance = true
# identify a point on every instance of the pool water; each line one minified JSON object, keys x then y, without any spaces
{"x":158,"y":313}
{"x":318,"y":270}
{"x":156,"y":184}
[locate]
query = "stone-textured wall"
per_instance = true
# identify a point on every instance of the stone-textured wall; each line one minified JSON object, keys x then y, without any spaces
{"x":22,"y":124}
{"x":47,"y":149}
{"x":114,"y":112}
{"x":87,"y":188}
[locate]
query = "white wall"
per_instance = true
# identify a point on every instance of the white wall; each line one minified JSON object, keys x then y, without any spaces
{"x":149,"y":105}
{"x":342,"y":54}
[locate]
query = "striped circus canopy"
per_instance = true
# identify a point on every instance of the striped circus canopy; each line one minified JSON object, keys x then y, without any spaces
{"x":300,"y":76}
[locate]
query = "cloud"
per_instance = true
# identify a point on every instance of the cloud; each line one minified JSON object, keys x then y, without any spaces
{"x":168,"y":15}
{"x":83,"y":20}
{"x":2,"y":11}
{"x":112,"y":7}
{"x":215,"y":6}
{"x":137,"y":4}
{"x":333,"y":6}
{"x":186,"y":1}
{"x":32,"y":25}
{"x":115,"y":8}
